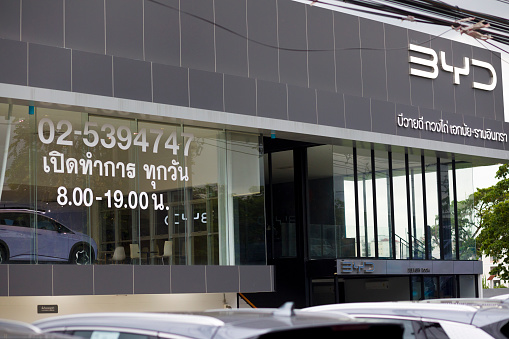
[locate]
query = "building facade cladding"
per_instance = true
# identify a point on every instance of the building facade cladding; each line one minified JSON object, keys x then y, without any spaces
{"x":219,"y":75}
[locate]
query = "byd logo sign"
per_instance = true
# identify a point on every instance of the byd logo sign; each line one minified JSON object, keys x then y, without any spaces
{"x":457,"y":71}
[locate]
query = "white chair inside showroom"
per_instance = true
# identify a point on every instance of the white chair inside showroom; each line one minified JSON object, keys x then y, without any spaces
{"x":167,"y":251}
{"x":118,"y":254}
{"x":135,"y":253}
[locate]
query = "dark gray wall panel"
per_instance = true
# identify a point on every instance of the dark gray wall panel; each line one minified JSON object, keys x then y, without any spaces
{"x":432,"y":116}
{"x":222,"y":279}
{"x":151,"y":279}
{"x":206,"y":90}
{"x":484,"y":100}
{"x":170,"y":85}
{"x":43,"y":22}
{"x":231,"y":49}
{"x":73,"y":280}
{"x":197,"y":35}
{"x":22,"y":280}
{"x":49,"y":67}
{"x":452,"y":119}
{"x":162,"y":32}
{"x":383,"y":117}
{"x":494,"y":126}
{"x":421,"y":89}
{"x":256,"y":279}
{"x":443,"y":84}
{"x":373,"y":59}
{"x":239,"y":95}
{"x":13,"y":62}
{"x":92,"y":73}
{"x":9,"y":19}
{"x":302,"y":104}
{"x":132,"y":79}
{"x":464,"y":93}
{"x":408,"y":112}
{"x":262,"y":44}
{"x":292,"y":35}
{"x":398,"y":81}
{"x":4,"y":280}
{"x":474,"y":123}
{"x":188,"y":279}
{"x":271,"y":100}
{"x":124,"y":28}
{"x":498,"y":92}
{"x":113,"y":279}
{"x":357,"y":113}
{"x":84,"y":25}
{"x":322,"y":73}
{"x":348,"y":54}
{"x":331,"y":109}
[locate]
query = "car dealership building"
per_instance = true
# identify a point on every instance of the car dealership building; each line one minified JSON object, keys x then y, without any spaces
{"x":269,"y":147}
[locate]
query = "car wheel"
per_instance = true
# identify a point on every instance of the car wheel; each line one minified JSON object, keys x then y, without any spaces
{"x":81,"y":255}
{"x":3,"y":255}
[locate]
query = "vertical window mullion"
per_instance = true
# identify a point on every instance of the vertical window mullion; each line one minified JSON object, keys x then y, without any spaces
{"x":391,"y":193}
{"x":427,"y":235}
{"x":409,"y":208}
{"x":456,"y":222}
{"x":356,"y":191}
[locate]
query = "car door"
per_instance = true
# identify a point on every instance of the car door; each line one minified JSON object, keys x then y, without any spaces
{"x":52,"y":245}
{"x":17,"y":235}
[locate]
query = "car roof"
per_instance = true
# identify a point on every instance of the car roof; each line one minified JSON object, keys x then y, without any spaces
{"x":457,"y":313}
{"x":236,"y":323}
{"x":491,"y":315}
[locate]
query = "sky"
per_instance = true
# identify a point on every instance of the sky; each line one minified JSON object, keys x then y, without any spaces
{"x":482,"y":176}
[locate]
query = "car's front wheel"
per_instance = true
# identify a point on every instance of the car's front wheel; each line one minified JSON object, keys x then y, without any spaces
{"x":3,"y":255}
{"x":81,"y":255}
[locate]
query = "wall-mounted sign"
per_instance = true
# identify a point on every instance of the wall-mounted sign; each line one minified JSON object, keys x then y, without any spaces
{"x":356,"y":266}
{"x":47,"y":308}
{"x":378,"y":267}
{"x":433,"y":61}
{"x":444,"y":127}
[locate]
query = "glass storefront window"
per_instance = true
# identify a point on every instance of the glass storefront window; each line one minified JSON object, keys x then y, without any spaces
{"x":284,"y":229}
{"x":365,"y":198}
{"x":418,"y":238}
{"x":447,"y":209}
{"x":432,"y":205}
{"x":322,"y":230}
{"x":383,"y":204}
{"x":400,"y":206}
{"x":344,"y":201}
{"x":98,"y":189}
{"x":246,"y":198}
{"x":465,"y":208}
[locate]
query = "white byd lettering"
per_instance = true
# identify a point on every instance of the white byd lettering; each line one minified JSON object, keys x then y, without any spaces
{"x":456,"y":71}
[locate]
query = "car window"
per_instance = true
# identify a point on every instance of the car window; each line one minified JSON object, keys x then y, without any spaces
{"x":15,"y":219}
{"x":434,"y":331}
{"x":412,"y":329}
{"x":44,"y":223}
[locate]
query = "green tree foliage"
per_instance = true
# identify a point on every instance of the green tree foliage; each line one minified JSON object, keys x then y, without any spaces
{"x":492,"y":211}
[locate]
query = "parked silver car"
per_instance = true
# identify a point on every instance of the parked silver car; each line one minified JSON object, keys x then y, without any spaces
{"x":279,"y":323}
{"x":50,"y":241}
{"x":436,"y":318}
